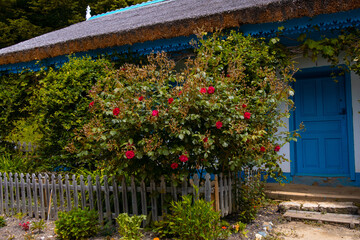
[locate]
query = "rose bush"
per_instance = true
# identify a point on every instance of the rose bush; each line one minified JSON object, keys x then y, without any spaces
{"x":220,"y":113}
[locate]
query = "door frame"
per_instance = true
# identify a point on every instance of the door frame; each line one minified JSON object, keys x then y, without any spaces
{"x":321,"y":71}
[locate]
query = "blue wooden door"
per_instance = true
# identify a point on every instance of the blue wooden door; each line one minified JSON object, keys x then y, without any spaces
{"x":321,"y":106}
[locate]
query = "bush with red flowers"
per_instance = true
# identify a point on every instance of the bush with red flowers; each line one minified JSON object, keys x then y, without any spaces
{"x":220,"y":113}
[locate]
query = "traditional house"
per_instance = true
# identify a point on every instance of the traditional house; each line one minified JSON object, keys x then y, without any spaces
{"x":329,"y":149}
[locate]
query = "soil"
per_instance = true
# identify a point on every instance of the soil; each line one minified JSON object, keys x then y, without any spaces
{"x":282,"y":229}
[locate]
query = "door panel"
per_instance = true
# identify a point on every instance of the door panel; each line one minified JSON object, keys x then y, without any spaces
{"x":321,"y":106}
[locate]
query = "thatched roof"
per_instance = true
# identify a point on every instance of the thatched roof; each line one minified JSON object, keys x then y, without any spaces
{"x":163,"y":20}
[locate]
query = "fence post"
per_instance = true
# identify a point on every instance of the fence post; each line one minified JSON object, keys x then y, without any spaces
{"x":221,"y":187}
{"x":116,"y":197}
{"x":133,"y":196}
{"x":42,"y":200}
{"x":23,"y":197}
{"x":36,"y":207}
{"x":153,"y":200}
{"x":11,"y":193}
{"x":99,"y":202}
{"x":54,"y":195}
{"x":82,"y":192}
{"x":107,"y":198}
{"x":162,"y":194}
{"x":61,"y":193}
{"x":76,"y":194}
{"x":28,"y":188}
{"x":91,"y":195}
{"x":67,"y":190}
{"x":124,"y":195}
{"x":143,"y":200}
{"x":17,"y":192}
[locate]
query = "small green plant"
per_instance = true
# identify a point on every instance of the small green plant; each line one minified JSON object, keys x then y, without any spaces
{"x":38,"y":226}
{"x":2,"y":222}
{"x":77,"y":224}
{"x":197,"y":221}
{"x":20,"y":215}
{"x":129,"y":227}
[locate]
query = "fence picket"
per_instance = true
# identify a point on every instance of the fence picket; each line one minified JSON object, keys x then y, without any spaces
{"x":98,"y":200}
{"x":226,"y":197}
{"x":82,"y":192}
{"x":29,"y":197}
{"x":153,"y":200}
{"x":54,"y":195}
{"x":75,"y":192}
{"x":6,"y":194}
{"x":47,"y":192}
{"x":61,"y":193}
{"x":23,"y":196}
{"x":41,"y":191}
{"x":173,"y":190}
{"x":124,"y":195}
{"x":217,"y":199}
{"x":116,"y":196}
{"x":107,"y":198}
{"x":207,"y":188}
{"x":162,"y":194}
{"x":17,"y":192}
{"x":91,"y":194}
{"x":196,"y":183}
{"x":143,"y":199}
{"x":11,"y":193}
{"x":230,"y":193}
{"x":221,"y":190}
{"x":133,"y":196}
{"x":67,"y":190}
{"x":1,"y":195}
{"x":36,"y":208}
{"x":184,"y":187}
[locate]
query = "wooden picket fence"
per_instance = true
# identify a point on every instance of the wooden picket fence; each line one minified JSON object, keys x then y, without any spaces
{"x":43,"y":196}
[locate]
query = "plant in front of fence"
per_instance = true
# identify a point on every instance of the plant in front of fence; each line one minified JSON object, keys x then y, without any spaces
{"x":129,"y":227}
{"x":38,"y":226}
{"x":77,"y":224}
{"x":2,"y":221}
{"x":25,"y":226}
{"x":196,"y":221}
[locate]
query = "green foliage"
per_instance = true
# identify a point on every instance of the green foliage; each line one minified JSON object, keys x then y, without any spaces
{"x":38,"y":226}
{"x":13,"y":163}
{"x":197,"y":221}
{"x":345,"y":47}
{"x":251,"y":197}
{"x":2,"y":221}
{"x":61,"y":104}
{"x":129,"y":227}
{"x":220,"y":113}
{"x":77,"y":224}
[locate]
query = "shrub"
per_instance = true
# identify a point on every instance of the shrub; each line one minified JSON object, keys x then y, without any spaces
{"x":220,"y":113}
{"x":197,"y":221}
{"x":251,"y":197}
{"x":2,"y":222}
{"x":129,"y":227}
{"x":77,"y":224}
{"x":38,"y":226}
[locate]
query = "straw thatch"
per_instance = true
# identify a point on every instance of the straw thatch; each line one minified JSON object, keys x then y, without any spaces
{"x":168,"y":19}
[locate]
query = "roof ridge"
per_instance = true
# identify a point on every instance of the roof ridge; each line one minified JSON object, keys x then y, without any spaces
{"x":150,"y":2}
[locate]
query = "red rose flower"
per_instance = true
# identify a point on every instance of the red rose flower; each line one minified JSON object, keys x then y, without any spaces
{"x":91,"y":104}
{"x":174,"y":165}
{"x":170,"y":100}
{"x":203,"y":90}
{"x":205,"y":139}
{"x":116,"y":111}
{"x":247,"y":115}
{"x":277,"y":148}
{"x":211,"y":90}
{"x":262,"y":149}
{"x":141,"y":98}
{"x":227,"y":75}
{"x":219,"y":124}
{"x":180,"y":93}
{"x":130,"y":154}
{"x":155,"y":113}
{"x":244,"y":105}
{"x":183,"y":158}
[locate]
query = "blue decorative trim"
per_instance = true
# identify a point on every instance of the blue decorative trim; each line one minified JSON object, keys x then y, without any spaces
{"x":127,"y":8}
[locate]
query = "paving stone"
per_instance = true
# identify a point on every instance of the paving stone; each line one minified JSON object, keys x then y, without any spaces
{"x":289,"y":205}
{"x":338,"y":207}
{"x":310,"y":206}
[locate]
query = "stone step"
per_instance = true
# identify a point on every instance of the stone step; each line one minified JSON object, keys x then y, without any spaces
{"x":323,"y":207}
{"x":348,"y":219}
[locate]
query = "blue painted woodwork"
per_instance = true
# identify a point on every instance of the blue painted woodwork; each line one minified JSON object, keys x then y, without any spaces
{"x":292,"y":28}
{"x":324,"y":106}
